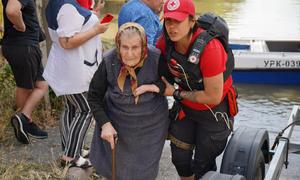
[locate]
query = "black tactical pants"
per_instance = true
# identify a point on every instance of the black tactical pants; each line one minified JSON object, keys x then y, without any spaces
{"x":206,"y":133}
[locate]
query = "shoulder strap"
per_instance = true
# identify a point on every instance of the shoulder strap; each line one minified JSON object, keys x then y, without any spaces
{"x":199,"y":45}
{"x":202,"y":40}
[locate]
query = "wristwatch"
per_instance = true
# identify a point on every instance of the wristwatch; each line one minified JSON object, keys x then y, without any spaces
{"x":177,"y":96}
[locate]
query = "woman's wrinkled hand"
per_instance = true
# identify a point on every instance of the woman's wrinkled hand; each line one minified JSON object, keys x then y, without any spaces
{"x":108,"y":133}
{"x":146,"y":88}
{"x":169,"y":88}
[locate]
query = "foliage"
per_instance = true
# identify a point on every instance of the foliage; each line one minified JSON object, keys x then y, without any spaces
{"x":7,"y":87}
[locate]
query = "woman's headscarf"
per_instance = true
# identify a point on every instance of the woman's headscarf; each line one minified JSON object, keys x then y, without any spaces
{"x":128,"y":70}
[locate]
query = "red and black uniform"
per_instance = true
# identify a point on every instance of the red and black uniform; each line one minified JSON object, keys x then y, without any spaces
{"x":200,"y":127}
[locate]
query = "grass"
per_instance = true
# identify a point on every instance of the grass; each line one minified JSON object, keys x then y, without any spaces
{"x":23,"y":170}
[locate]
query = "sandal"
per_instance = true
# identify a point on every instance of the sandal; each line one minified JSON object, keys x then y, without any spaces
{"x":80,"y":162}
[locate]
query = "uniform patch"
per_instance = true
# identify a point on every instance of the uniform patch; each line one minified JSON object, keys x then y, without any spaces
{"x":173,"y":5}
{"x":193,"y":59}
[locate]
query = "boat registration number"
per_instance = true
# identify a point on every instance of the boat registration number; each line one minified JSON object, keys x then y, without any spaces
{"x":282,"y":64}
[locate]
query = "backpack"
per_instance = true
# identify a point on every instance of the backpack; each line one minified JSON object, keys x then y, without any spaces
{"x":215,"y":27}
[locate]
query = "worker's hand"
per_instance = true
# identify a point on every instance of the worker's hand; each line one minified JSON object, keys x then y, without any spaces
{"x":146,"y":88}
{"x":169,"y":88}
{"x":108,"y":133}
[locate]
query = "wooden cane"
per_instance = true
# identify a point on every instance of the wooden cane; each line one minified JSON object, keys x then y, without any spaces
{"x":113,"y":158}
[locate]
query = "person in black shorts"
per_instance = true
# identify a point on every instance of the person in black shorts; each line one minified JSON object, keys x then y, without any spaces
{"x":20,"y":47}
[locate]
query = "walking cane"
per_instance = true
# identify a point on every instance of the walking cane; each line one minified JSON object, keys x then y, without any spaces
{"x":113,"y":158}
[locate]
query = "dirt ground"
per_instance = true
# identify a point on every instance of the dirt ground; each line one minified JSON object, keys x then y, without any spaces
{"x":48,"y":150}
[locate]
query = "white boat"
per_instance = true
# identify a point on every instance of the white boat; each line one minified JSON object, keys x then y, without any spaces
{"x":266,"y":61}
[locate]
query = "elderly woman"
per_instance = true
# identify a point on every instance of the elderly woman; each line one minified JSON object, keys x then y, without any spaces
{"x":126,"y":98}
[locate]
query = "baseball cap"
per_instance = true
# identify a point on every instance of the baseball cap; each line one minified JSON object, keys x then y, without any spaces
{"x":179,"y":9}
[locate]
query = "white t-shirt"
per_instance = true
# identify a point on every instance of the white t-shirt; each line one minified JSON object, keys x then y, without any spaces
{"x":67,"y":71}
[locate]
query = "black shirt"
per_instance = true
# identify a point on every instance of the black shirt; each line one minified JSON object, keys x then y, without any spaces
{"x":31,"y":35}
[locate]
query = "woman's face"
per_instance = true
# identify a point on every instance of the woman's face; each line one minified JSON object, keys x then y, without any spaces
{"x":178,"y":30}
{"x":131,"y":49}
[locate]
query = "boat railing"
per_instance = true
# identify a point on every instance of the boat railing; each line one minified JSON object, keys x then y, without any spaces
{"x":280,"y":157}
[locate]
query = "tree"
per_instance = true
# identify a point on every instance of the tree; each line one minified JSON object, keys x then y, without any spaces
{"x":45,"y":45}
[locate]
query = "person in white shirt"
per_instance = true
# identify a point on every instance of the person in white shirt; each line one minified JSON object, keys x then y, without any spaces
{"x":75,"y":55}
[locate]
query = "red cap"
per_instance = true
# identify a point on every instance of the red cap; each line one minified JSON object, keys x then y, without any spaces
{"x":179,"y":9}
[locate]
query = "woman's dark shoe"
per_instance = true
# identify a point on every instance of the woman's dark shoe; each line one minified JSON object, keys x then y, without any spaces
{"x":20,"y":124}
{"x":35,"y":132}
{"x":31,"y":128}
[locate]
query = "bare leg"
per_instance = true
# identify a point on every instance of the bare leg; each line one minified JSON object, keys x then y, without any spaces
{"x":66,"y":158}
{"x":188,"y":178}
{"x":22,"y":95}
{"x":34,"y":98}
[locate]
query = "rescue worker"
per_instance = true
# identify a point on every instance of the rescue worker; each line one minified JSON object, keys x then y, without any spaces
{"x":126,"y":98}
{"x":200,"y":116}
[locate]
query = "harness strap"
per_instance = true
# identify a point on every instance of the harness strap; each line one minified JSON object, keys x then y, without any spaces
{"x":198,"y":46}
{"x":180,"y":144}
{"x":229,"y":64}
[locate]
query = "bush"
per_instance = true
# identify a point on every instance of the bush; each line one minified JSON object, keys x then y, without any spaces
{"x":7,"y":87}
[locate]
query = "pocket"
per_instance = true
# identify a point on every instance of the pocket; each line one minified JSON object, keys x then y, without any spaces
{"x":176,"y":112}
{"x":219,"y":141}
{"x":88,"y":63}
{"x":232,"y":101}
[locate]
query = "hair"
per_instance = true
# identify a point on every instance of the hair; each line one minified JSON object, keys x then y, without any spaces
{"x":131,"y":29}
{"x":195,"y":27}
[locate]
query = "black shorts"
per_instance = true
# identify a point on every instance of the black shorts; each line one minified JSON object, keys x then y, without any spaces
{"x":26,"y":64}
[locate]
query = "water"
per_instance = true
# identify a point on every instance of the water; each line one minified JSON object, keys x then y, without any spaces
{"x":267,"y":106}
{"x":267,"y":19}
{"x":260,"y":106}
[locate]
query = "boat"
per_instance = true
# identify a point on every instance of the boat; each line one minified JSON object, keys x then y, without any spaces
{"x":266,"y":61}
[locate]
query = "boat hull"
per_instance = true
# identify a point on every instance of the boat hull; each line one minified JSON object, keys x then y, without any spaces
{"x":267,"y":76}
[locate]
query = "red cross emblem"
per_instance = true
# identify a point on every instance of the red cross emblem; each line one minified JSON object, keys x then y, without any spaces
{"x":173,"y":5}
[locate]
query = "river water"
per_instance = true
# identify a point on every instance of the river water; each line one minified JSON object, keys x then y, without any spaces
{"x":261,"y":106}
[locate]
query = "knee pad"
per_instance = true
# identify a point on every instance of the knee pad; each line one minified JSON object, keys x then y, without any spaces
{"x":182,"y":161}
